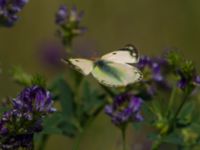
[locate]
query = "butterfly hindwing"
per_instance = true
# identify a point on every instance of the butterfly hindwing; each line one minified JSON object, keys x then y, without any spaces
{"x":116,"y":74}
{"x":126,"y":55}
{"x":84,"y":66}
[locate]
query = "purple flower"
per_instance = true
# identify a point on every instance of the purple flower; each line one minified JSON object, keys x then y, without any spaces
{"x":62,"y":15}
{"x":34,"y":99}
{"x":188,"y":77}
{"x":184,"y":82}
{"x":160,"y":71}
{"x":197,"y":80}
{"x":17,"y":141}
{"x":18,"y":125}
{"x":75,"y":15}
{"x":125,"y":108}
{"x":155,"y":71}
{"x":16,"y":131}
{"x":67,"y":16}
{"x":144,"y":61}
{"x":69,"y":21}
{"x":9,"y":10}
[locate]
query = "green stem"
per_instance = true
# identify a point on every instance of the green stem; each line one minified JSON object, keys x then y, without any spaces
{"x":171,"y":100}
{"x":185,"y":97}
{"x":123,"y":132}
{"x":43,"y":142}
{"x":78,"y":141}
{"x":76,"y":145}
{"x":156,"y":145}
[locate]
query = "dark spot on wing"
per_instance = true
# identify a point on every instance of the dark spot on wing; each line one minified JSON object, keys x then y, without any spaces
{"x":140,"y":76}
{"x":76,"y":60}
{"x":132,"y":49}
{"x":114,"y":53}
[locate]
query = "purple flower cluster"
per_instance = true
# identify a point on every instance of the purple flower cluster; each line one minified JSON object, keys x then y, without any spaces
{"x":184,"y":70}
{"x":69,"y":21}
{"x":126,"y":107}
{"x":9,"y":10}
{"x":14,"y":142}
{"x":155,"y":65}
{"x":13,"y":133}
{"x":34,"y":99}
{"x":187,"y":78}
{"x":155,"y":71}
{"x":62,"y":15}
{"x":18,"y":125}
{"x":66,"y":16}
{"x":158,"y":72}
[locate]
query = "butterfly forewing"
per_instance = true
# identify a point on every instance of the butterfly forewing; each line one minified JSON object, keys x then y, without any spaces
{"x":84,"y":66}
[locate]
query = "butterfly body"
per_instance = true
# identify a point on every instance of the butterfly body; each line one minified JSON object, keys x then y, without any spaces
{"x":114,"y":69}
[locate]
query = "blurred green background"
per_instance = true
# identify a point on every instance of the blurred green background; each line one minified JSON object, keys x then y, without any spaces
{"x":152,"y":25}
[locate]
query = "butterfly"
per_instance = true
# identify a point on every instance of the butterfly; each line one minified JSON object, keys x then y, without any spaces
{"x":114,"y":69}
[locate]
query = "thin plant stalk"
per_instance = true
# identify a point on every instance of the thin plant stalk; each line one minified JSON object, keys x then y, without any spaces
{"x":171,"y":100}
{"x":123,"y":134}
{"x":43,"y":142}
{"x":76,"y":145}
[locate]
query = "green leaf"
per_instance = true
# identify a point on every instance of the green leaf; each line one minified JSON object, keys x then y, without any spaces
{"x":68,"y":129}
{"x":187,"y":109}
{"x":92,"y":99}
{"x":51,"y":123}
{"x":65,"y":97}
{"x":195,"y":127}
{"x":185,"y":116}
{"x":173,"y":138}
{"x":53,"y":119}
{"x":20,"y":76}
{"x":153,"y":136}
{"x":52,"y":130}
{"x":174,"y":58}
{"x":75,"y":77}
{"x":3,"y":109}
{"x":38,"y":80}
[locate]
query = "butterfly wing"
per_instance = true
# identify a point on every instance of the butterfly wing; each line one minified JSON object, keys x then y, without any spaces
{"x":116,"y":74}
{"x":84,"y":66}
{"x":126,"y":55}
